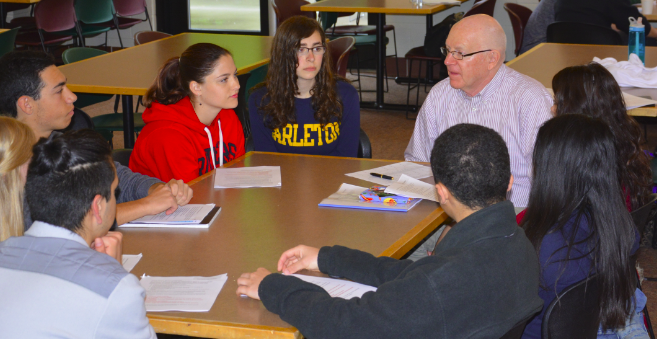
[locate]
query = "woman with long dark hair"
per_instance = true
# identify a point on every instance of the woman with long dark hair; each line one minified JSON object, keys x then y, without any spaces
{"x":191,"y":127}
{"x":303,"y":107}
{"x":577,"y":220}
{"x":591,"y":90}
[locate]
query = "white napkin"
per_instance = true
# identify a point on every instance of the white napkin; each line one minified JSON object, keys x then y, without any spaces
{"x":630,"y":73}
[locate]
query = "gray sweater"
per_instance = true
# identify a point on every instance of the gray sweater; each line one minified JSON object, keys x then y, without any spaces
{"x":481,"y":281}
{"x":134,"y":186}
{"x":536,"y":29}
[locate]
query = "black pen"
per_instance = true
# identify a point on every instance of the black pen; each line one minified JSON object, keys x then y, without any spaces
{"x":382,"y":176}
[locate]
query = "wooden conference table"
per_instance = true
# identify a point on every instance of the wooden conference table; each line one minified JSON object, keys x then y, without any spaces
{"x":131,"y":71}
{"x":2,"y":8}
{"x":380,"y":8}
{"x":256,"y":225}
{"x":545,"y":60}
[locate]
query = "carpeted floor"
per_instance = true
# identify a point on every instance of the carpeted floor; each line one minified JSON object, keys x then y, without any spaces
{"x":389,"y":133}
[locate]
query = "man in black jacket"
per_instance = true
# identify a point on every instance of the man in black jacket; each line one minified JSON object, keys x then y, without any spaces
{"x":480,"y":282}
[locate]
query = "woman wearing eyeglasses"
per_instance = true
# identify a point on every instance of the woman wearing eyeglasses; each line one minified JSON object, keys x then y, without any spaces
{"x":303,"y":107}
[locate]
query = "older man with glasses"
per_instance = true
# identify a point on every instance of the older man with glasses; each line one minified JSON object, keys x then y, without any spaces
{"x":482,"y":90}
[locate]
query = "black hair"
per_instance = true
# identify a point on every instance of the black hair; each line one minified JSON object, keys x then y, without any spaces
{"x":20,"y":74}
{"x":575,"y":176}
{"x":472,"y":161}
{"x":66,"y":173}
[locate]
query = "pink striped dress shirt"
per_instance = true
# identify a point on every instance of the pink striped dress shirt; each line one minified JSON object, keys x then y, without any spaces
{"x":512,"y":104}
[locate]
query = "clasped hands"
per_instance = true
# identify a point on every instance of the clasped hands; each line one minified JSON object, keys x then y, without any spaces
{"x":291,"y":261}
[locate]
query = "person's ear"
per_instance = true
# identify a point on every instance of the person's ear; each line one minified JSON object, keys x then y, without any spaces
{"x":493,"y":58}
{"x":98,"y":206}
{"x":510,"y":183}
{"x":26,"y":104}
{"x":195,"y":88}
{"x":443,"y":193}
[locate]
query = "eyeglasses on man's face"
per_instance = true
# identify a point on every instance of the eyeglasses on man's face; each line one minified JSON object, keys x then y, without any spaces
{"x":318,"y":50}
{"x":458,"y":55}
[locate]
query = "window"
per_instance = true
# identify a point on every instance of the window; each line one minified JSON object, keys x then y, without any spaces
{"x":230,"y":16}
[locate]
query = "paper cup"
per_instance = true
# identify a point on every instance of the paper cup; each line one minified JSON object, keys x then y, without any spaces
{"x":646,"y":7}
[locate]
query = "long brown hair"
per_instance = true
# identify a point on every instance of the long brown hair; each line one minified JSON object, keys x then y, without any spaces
{"x":591,"y":90}
{"x":16,"y":141}
{"x":281,"y":81}
{"x":194,"y":64}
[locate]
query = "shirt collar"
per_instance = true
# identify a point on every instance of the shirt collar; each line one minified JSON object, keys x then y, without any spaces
{"x":44,"y":230}
{"x":491,"y":87}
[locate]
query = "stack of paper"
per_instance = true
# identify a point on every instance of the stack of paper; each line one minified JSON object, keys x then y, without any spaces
{"x":413,"y":188}
{"x":186,"y":294}
{"x":188,"y":216}
{"x":338,"y":288}
{"x":348,"y":197}
{"x":243,"y":177}
{"x":395,"y":171}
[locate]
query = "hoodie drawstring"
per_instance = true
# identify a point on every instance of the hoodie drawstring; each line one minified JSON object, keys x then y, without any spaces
{"x":221,"y":146}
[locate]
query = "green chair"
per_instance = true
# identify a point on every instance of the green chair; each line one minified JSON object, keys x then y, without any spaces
{"x":258,"y":75}
{"x":7,"y":41}
{"x":105,"y":124}
{"x":90,"y":12}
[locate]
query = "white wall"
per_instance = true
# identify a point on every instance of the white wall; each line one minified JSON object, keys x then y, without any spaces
{"x":411,"y":28}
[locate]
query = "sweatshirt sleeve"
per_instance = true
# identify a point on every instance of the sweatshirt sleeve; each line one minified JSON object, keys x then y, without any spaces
{"x":350,"y":125}
{"x":134,"y":186}
{"x":262,"y":136}
{"x":173,"y":155}
{"x":125,"y":316}
{"x":401,"y":308}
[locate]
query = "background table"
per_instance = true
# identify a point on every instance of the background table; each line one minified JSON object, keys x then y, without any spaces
{"x":545,"y":60}
{"x":2,"y":8}
{"x":131,"y":71}
{"x":256,"y":225}
{"x":380,"y":8}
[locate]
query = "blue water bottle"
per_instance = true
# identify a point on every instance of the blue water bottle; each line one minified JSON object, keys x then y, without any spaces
{"x":637,"y":39}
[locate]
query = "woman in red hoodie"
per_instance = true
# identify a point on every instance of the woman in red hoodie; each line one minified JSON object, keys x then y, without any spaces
{"x":191,"y":127}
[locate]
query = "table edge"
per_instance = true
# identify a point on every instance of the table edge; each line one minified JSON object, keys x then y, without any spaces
{"x":320,"y":7}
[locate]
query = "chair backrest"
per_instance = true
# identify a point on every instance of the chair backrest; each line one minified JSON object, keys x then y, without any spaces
{"x":339,"y":49}
{"x":122,"y":156}
{"x":8,"y":41}
{"x":642,"y":215}
{"x":148,"y":36}
{"x":55,"y":15}
{"x":129,"y":7}
{"x":286,"y":9}
{"x":258,"y":75}
{"x":573,"y":314}
{"x":364,"y":146}
{"x":581,"y":33}
{"x":80,"y":53}
{"x":482,"y":7}
{"x":519,"y":16}
{"x":241,"y":109}
{"x":94,"y":11}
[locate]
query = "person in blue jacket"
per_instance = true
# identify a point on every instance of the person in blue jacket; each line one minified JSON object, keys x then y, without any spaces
{"x":302,"y":106}
{"x":579,"y":225}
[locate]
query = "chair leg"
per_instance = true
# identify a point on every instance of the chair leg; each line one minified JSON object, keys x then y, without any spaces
{"x":148,"y":17}
{"x":408,"y":91}
{"x":360,"y":83}
{"x":43,"y":45}
{"x":394,"y":37}
{"x":116,"y":103}
{"x":417,"y":94}
{"x":118,"y":31}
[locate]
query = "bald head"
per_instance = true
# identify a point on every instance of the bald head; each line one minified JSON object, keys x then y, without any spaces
{"x":480,"y":32}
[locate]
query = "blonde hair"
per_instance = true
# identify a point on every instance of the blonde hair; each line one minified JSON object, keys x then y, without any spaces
{"x":16,"y":141}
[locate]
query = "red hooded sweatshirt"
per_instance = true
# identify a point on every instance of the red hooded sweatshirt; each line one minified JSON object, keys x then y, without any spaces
{"x":174,"y":144}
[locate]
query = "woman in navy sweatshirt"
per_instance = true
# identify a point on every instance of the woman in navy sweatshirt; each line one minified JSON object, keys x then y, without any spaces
{"x":303,"y":107}
{"x":578,"y":222}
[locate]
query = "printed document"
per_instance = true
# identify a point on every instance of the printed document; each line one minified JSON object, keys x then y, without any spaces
{"x":411,"y":169}
{"x":442,"y":2}
{"x":191,"y":213}
{"x":338,"y":288}
{"x":348,"y":197}
{"x":243,"y":177}
{"x":130,"y":261}
{"x":631,"y":101}
{"x":185,"y":294}
{"x":413,"y":188}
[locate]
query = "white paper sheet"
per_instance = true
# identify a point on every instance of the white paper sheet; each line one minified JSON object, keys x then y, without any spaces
{"x":631,"y":101}
{"x":347,"y":196}
{"x":441,"y":2}
{"x":413,"y":188}
{"x":243,"y":177}
{"x":191,"y":213}
{"x":130,"y":261}
{"x":411,"y":169}
{"x":185,"y":294}
{"x":338,"y":288}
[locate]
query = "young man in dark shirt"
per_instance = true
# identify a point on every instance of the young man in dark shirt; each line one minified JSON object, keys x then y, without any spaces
{"x":480,"y":282}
